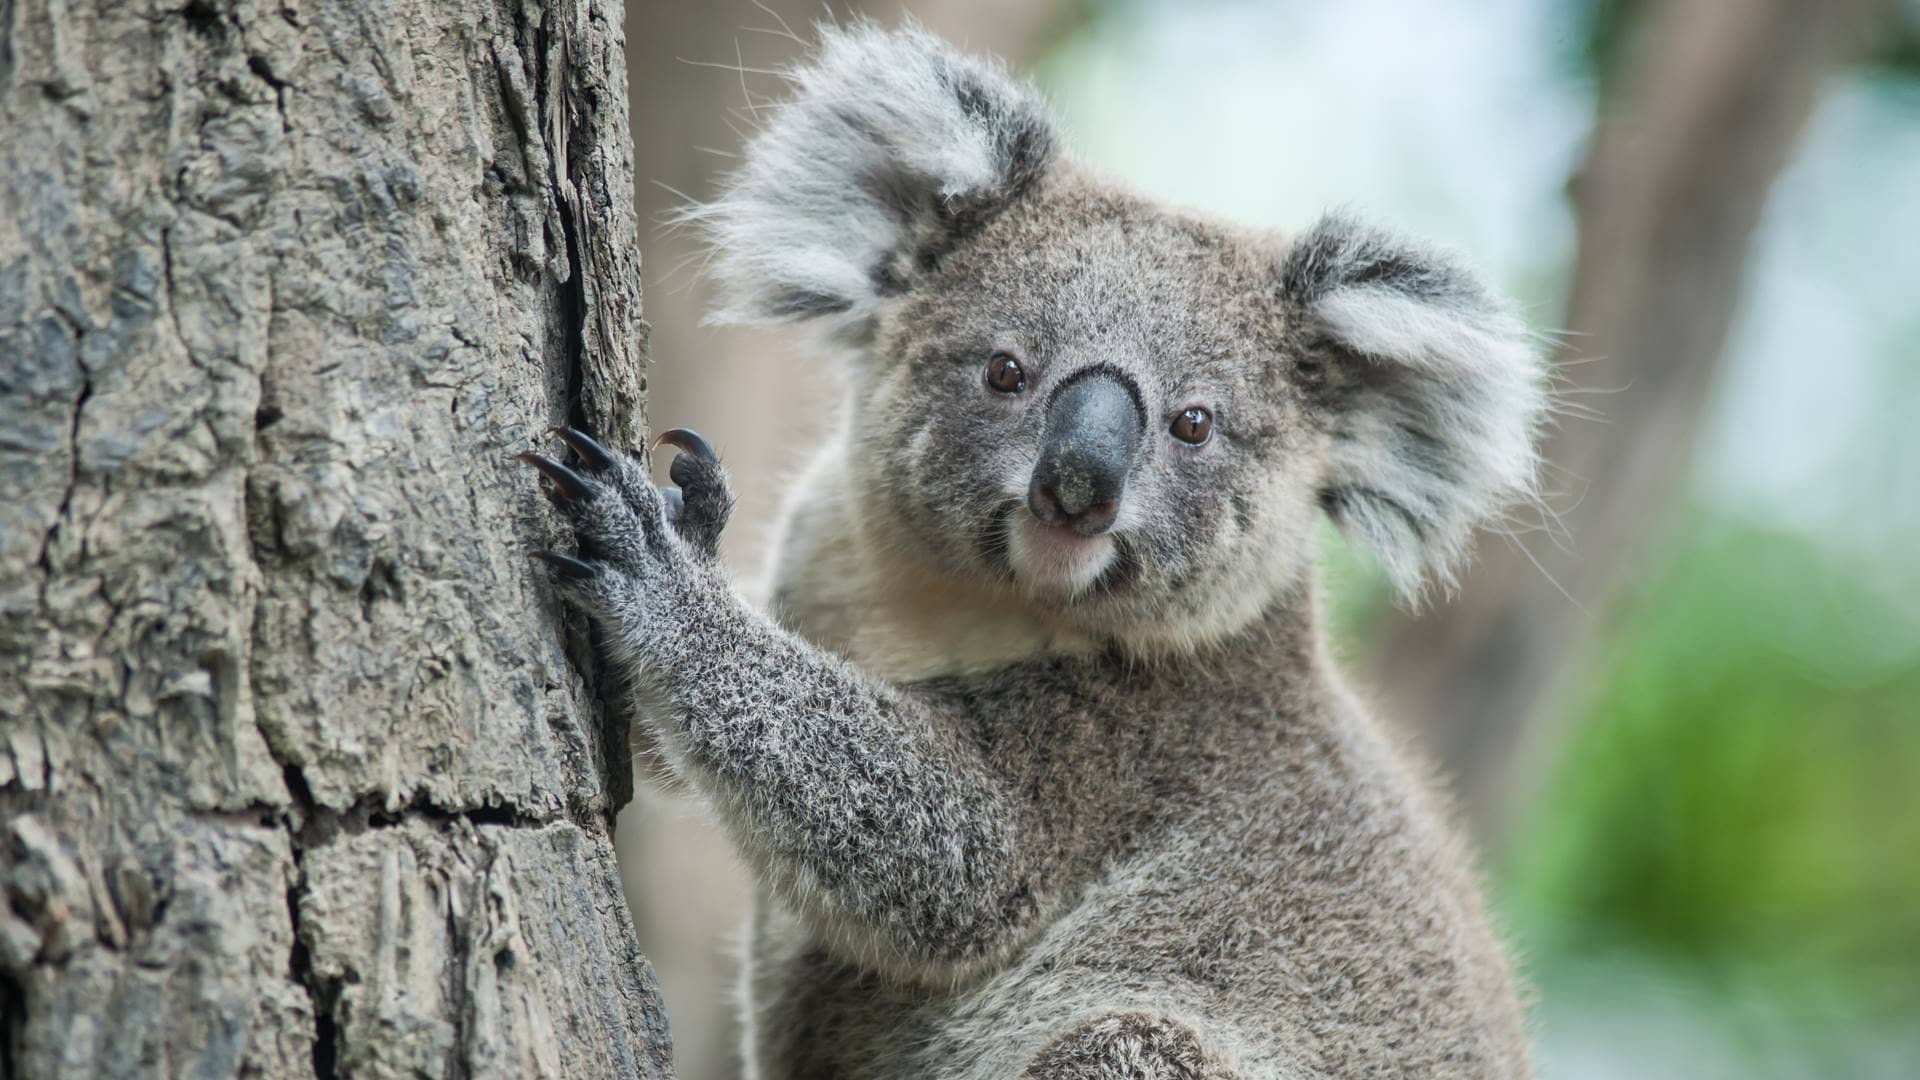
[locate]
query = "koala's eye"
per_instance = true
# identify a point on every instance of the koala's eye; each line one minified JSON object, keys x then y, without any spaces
{"x":1005,"y":374}
{"x":1193,"y":426}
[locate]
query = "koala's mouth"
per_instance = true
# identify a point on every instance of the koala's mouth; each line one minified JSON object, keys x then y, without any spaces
{"x":1055,"y":558}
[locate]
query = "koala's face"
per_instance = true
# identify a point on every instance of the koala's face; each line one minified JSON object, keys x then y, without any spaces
{"x":1125,"y":413}
{"x":1092,"y":400}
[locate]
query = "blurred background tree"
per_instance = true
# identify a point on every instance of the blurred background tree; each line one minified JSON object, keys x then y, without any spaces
{"x":1699,"y":105}
{"x":1684,"y":712}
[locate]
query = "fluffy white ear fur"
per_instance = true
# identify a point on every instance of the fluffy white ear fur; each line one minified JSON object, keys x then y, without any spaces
{"x":1434,"y":388}
{"x":890,"y":148}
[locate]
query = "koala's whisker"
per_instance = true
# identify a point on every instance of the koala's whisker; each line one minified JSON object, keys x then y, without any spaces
{"x":773,"y":32}
{"x":1553,"y":518}
{"x":675,"y":192}
{"x":736,"y":66}
{"x":1557,"y":469}
{"x":1582,"y":391}
{"x":786,"y":30}
{"x":1577,"y":411}
{"x":745,"y":94}
{"x":1545,"y":573}
{"x":1512,"y":526}
{"x":751,"y":114}
{"x":1553,"y":340}
{"x":1579,"y":360}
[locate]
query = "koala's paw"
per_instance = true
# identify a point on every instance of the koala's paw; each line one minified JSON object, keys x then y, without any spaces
{"x":637,"y":543}
{"x":700,"y":506}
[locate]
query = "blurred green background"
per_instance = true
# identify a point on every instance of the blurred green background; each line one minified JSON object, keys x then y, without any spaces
{"x":1701,"y":821}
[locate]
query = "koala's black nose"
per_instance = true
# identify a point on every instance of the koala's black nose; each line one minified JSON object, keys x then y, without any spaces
{"x":1093,"y":431}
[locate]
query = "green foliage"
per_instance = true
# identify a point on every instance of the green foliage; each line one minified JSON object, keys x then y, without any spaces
{"x":1897,"y":50}
{"x":1743,"y":796}
{"x":1600,"y":31}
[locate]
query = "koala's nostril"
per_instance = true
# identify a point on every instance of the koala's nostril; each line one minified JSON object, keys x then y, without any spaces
{"x":1063,"y":505}
{"x":1041,"y":501}
{"x":1097,"y":518}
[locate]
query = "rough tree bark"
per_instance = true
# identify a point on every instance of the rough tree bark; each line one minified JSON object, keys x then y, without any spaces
{"x":297,"y":776}
{"x":1711,"y":106}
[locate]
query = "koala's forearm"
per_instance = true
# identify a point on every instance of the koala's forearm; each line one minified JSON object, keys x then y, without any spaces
{"x":870,"y":815}
{"x":860,"y":802}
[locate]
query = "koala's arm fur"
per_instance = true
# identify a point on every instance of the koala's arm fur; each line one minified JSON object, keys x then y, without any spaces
{"x":859,"y":800}
{"x":865,"y":805}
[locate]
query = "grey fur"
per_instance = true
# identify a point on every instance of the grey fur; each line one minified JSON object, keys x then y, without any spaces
{"x":1010,"y":818}
{"x":871,"y":169}
{"x":1435,"y":392}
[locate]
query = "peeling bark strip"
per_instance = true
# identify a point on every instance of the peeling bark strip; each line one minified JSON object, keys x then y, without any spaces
{"x":295,"y":776}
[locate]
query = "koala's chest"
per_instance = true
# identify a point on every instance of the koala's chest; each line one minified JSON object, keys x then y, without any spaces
{"x":848,"y":587}
{"x":908,"y":634}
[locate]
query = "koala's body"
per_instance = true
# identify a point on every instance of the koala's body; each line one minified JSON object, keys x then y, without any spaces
{"x":1039,"y":759}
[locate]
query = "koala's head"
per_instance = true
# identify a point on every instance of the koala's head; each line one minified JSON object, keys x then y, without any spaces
{"x":1127,"y":413}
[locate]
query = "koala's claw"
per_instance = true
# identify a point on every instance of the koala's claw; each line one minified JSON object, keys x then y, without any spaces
{"x":696,"y":460}
{"x":591,"y":454}
{"x":570,"y":484}
{"x":566,"y":565}
{"x":619,"y":517}
{"x":687,"y":442}
{"x":699,"y":508}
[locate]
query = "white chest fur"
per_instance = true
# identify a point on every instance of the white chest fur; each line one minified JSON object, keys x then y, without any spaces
{"x":844,"y":583}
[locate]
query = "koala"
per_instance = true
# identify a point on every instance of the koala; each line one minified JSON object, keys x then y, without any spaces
{"x":1038,"y":756}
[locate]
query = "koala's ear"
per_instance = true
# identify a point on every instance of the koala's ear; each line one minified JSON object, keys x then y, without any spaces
{"x":1433,"y":390}
{"x":890,"y":149}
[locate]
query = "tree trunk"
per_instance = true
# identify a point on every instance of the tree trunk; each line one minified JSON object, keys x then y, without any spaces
{"x":1673,"y":185}
{"x":298,"y":776}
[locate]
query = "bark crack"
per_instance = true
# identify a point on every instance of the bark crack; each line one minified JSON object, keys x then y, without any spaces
{"x":264,"y":71}
{"x":300,"y":823}
{"x":65,"y":511}
{"x":322,"y":994}
{"x":550,"y":106}
{"x":310,"y":825}
{"x":173,"y":308}
{"x":554,"y":117}
{"x":13,"y":1017}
